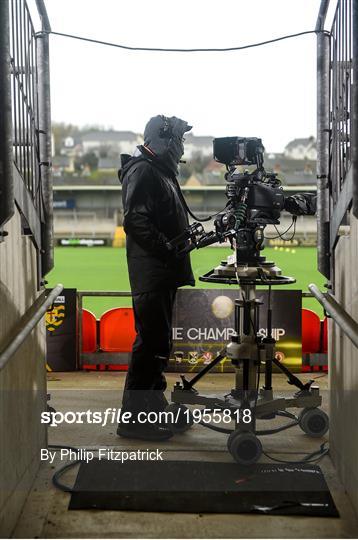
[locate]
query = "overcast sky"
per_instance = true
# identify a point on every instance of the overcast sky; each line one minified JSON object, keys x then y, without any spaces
{"x":267,"y":92}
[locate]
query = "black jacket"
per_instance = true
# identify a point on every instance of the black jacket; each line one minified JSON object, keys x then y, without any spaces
{"x":153,"y":215}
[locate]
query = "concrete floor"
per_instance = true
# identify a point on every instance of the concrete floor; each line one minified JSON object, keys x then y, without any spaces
{"x":45,"y":513}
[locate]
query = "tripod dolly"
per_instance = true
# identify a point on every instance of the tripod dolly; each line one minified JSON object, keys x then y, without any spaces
{"x":248,"y":352}
{"x":255,"y":200}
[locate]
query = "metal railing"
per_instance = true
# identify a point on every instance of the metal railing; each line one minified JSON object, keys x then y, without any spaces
{"x":25,"y":125}
{"x":28,"y":322}
{"x":6,"y":181}
{"x":335,"y":310}
{"x":24,"y":97}
{"x":337,"y":111}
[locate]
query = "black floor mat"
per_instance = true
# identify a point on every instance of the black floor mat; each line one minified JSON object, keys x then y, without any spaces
{"x":202,"y":487}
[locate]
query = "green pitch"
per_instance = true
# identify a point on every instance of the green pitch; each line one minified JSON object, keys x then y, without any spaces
{"x":105,"y":268}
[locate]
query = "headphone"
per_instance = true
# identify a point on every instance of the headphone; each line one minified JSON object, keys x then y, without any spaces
{"x":166,"y":131}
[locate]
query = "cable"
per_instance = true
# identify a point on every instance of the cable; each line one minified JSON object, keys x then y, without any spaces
{"x":280,"y":235}
{"x":294,"y":221}
{"x":287,"y":414}
{"x":320,"y":453}
{"x":185,"y":204}
{"x":293,"y":452}
{"x":159,"y":49}
{"x":59,"y":473}
{"x":62,"y":470}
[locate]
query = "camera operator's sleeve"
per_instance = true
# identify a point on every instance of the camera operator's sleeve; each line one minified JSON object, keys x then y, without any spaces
{"x":302,"y":204}
{"x":140,"y":212}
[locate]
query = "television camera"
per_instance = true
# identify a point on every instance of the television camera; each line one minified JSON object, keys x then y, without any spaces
{"x":255,"y":200}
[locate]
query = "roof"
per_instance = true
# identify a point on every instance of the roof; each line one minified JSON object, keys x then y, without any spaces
{"x":205,"y":140}
{"x":77,"y":139}
{"x":215,"y":166}
{"x":291,"y":171}
{"x":104,"y":136}
{"x":308,"y":141}
{"x":60,"y":161}
{"x":108,"y":163}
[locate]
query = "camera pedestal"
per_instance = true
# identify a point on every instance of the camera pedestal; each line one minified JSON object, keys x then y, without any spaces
{"x":247,"y":402}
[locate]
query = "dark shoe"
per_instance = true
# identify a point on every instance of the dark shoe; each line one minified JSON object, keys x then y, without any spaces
{"x":144,"y":432}
{"x":157,"y":401}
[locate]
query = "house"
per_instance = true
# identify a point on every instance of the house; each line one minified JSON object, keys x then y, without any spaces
{"x":62,"y":164}
{"x":71,"y":146}
{"x":193,"y":180}
{"x":291,"y":171}
{"x":197,"y":146}
{"x":108,"y":164}
{"x":110,"y":143}
{"x":301,"y":149}
{"x":215,"y":168}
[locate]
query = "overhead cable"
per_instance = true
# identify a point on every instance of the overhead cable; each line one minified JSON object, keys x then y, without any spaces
{"x":191,"y":50}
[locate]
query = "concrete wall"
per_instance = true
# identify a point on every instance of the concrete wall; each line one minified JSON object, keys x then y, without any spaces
{"x":344,"y":367}
{"x":72,"y":223}
{"x":22,"y":381}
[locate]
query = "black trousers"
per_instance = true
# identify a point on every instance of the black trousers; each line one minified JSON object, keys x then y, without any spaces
{"x":145,"y":382}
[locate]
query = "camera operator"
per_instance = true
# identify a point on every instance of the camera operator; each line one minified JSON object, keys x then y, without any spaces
{"x":153,"y":215}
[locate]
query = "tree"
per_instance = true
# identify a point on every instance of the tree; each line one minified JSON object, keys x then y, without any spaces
{"x":196,"y":164}
{"x":90,"y":160}
{"x":60,"y":131}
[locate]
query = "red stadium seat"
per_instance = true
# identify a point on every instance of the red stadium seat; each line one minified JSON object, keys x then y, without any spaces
{"x":311,"y":329}
{"x":105,"y":367}
{"x":117,"y":332}
{"x":89,"y":332}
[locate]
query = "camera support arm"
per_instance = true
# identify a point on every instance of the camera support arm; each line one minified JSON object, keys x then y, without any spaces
{"x":195,"y":237}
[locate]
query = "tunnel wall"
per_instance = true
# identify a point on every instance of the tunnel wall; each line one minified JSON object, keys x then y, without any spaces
{"x":343,"y":367}
{"x":23,"y":379}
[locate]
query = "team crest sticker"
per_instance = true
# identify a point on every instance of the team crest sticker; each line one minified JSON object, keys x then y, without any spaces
{"x":193,"y":357}
{"x":55,"y":316}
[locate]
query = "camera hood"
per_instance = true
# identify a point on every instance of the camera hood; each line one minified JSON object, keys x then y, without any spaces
{"x":233,"y":151}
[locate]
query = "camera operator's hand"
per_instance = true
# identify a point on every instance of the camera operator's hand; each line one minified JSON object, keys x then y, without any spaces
{"x":171,"y":252}
{"x":176,"y":253}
